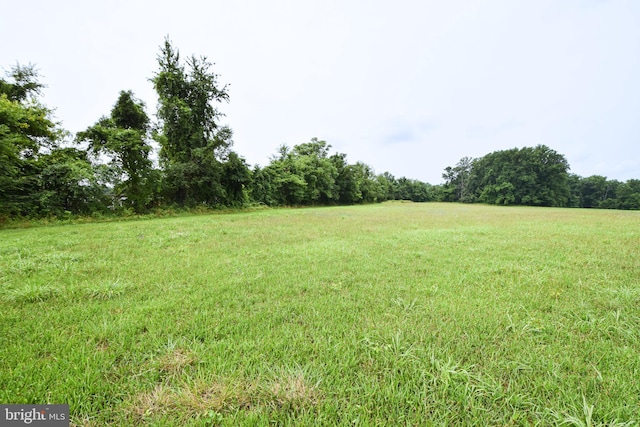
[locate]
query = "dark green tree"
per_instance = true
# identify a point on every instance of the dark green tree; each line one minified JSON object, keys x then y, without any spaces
{"x":575,"y":188}
{"x":414,"y":190}
{"x":456,"y":187}
{"x":262,"y":188}
{"x":629,"y":194}
{"x":236,"y":180}
{"x":122,"y":138}
{"x":595,"y":190}
{"x":346,"y":185}
{"x":288,"y":184}
{"x":69,"y":184}
{"x":22,"y":83}
{"x":193,"y":143}
{"x":388,"y":186}
{"x":308,"y":175}
{"x":26,"y":129}
{"x":312,"y":163}
{"x":304,"y":175}
{"x":612,"y":199}
{"x":529,"y":176}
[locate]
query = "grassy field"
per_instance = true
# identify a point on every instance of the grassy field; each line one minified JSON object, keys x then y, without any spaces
{"x":391,"y":314}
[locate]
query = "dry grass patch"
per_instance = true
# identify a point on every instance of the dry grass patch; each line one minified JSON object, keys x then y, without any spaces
{"x":175,"y":361}
{"x":293,"y":391}
{"x":201,"y":399}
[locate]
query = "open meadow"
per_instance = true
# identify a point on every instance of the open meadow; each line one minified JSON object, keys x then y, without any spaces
{"x":388,"y":314}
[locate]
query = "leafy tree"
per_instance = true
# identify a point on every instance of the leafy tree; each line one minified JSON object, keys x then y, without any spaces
{"x":308,"y":175}
{"x":629,"y":194}
{"x":236,"y":179}
{"x":456,"y":187}
{"x":122,"y":138}
{"x":23,"y":83}
{"x":262,"y":186}
{"x":594,"y":191}
{"x":612,"y":200}
{"x":575,"y":188}
{"x":69,"y":184}
{"x":345,"y":181}
{"x":303,"y":175}
{"x":288,"y":185}
{"x":26,"y":128}
{"x":369,"y":187}
{"x":312,"y":163}
{"x":528,"y":176}
{"x":193,"y":143}
{"x":414,"y":190}
{"x":388,"y":186}
{"x":357,"y":183}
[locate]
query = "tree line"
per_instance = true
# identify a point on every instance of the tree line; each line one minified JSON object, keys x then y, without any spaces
{"x":537,"y":176}
{"x":109,"y":167}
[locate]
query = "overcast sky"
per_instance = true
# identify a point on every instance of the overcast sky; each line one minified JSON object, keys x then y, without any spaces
{"x":408,"y":87}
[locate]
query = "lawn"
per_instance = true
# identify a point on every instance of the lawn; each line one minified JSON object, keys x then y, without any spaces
{"x":388,"y":314}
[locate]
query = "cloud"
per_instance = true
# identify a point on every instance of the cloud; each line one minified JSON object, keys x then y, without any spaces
{"x":415,"y":130}
{"x":487,"y":132}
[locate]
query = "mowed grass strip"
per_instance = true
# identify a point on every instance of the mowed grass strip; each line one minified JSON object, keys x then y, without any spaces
{"x":391,"y":314}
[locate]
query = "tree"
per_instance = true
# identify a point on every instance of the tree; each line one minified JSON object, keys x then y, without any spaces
{"x":304,"y":175}
{"x":575,"y":188}
{"x":69,"y":184}
{"x":122,"y":137}
{"x":528,"y":176}
{"x":388,"y":186}
{"x":594,"y":191}
{"x":193,"y":143}
{"x":346,"y":185}
{"x":312,"y":163}
{"x":287,"y":184}
{"x":26,"y":129}
{"x":370,"y":188}
{"x":414,"y":190}
{"x":262,"y":186}
{"x":308,"y":175}
{"x":236,"y":178}
{"x":456,"y":187}
{"x":629,"y":194}
{"x":24,"y":84}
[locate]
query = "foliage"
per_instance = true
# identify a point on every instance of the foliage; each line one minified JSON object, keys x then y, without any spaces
{"x":70,"y":184}
{"x":110,"y":170}
{"x":193,"y":143}
{"x":26,"y":129}
{"x":599,"y":192}
{"x":236,"y":177}
{"x":414,"y":190}
{"x":528,"y":176}
{"x":23,"y":83}
{"x":532,"y":176}
{"x":456,"y":187}
{"x":122,"y":138}
{"x":308,"y":175}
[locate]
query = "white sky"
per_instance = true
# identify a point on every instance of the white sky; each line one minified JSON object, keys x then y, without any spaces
{"x":408,"y":87}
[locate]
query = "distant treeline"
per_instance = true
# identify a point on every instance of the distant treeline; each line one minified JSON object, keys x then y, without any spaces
{"x":536,"y":176}
{"x":109,"y":167}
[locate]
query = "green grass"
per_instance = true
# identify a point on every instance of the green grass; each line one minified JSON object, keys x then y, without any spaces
{"x":391,"y":314}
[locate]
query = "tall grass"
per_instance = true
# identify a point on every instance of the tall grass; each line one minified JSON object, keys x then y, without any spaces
{"x":392,"y":314}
